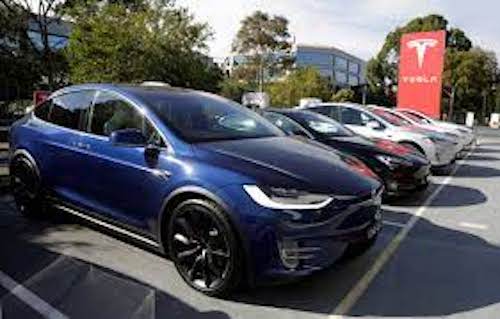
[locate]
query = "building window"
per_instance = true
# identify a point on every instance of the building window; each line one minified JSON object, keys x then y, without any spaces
{"x":353,"y":80}
{"x":340,"y":63}
{"x":353,"y":67}
{"x":340,"y":77}
{"x":314,"y":58}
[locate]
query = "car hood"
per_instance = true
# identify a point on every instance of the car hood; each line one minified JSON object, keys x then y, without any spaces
{"x":360,"y":146}
{"x":288,"y":162}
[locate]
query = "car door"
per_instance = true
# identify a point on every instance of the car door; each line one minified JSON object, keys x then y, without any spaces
{"x":122,"y":182}
{"x":62,"y":119}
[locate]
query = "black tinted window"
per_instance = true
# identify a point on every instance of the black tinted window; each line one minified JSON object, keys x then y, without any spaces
{"x":285,"y":124}
{"x":330,"y":111}
{"x":111,"y":113}
{"x":202,"y":117}
{"x":70,"y":110}
{"x":42,"y":111}
{"x":351,"y":116}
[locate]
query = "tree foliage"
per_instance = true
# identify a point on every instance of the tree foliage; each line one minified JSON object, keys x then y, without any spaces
{"x":29,"y":62}
{"x":468,"y":72}
{"x":114,"y":43}
{"x":343,"y":95}
{"x":233,"y":89}
{"x":382,"y":70}
{"x":262,"y":39}
{"x":468,"y":77}
{"x":300,"y":83}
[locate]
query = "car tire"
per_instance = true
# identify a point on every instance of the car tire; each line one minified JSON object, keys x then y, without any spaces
{"x":358,"y":248}
{"x":25,"y":185}
{"x":204,"y":247}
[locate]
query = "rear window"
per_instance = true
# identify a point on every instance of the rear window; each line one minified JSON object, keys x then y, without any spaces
{"x":68,"y":110}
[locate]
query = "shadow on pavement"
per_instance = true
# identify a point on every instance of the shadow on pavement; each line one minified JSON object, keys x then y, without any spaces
{"x":482,"y":158}
{"x":450,"y":196}
{"x":475,"y":171}
{"x":76,"y":288}
{"x":482,"y":150}
{"x":436,"y":272}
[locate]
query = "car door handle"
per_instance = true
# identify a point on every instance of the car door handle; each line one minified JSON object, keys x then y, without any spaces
{"x":81,"y":145}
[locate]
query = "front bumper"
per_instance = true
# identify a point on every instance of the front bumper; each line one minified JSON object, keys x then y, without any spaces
{"x":446,"y":155}
{"x":281,"y":247}
{"x":403,"y":181}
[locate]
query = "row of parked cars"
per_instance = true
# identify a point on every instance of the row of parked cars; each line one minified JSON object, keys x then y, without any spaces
{"x":401,"y":146}
{"x":229,"y":195}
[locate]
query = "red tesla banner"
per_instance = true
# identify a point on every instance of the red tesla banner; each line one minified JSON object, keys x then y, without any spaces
{"x":420,"y":71}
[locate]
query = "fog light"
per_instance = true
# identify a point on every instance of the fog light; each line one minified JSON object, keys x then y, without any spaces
{"x":289,"y":253}
{"x":393,"y":186}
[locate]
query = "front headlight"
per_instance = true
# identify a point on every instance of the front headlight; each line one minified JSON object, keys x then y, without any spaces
{"x":282,"y":198}
{"x":392,"y":161}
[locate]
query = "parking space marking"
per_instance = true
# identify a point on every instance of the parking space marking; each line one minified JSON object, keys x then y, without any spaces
{"x":395,"y":224}
{"x":473,"y":226}
{"x":357,"y":291}
{"x":29,"y":298}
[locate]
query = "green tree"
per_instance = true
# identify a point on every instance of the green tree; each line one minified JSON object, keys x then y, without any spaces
{"x":263,"y":39}
{"x":300,"y":83}
{"x":116,"y":44}
{"x":233,"y":89}
{"x":343,"y":95}
{"x":468,"y":78}
{"x":382,"y":70}
{"x":30,"y":62}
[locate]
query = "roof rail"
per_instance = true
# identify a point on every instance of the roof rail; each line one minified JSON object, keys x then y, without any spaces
{"x":155,"y":83}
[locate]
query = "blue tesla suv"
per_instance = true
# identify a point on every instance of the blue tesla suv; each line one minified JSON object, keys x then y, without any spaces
{"x":209,"y":183}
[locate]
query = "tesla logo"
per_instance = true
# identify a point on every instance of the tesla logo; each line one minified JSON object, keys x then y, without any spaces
{"x":421,"y":45}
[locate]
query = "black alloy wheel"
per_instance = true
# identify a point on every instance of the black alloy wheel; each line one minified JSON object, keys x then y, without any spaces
{"x":204,"y":248}
{"x":25,"y":187}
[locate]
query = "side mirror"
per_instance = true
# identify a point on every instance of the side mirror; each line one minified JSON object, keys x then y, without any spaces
{"x":374,"y":125}
{"x":128,"y":138}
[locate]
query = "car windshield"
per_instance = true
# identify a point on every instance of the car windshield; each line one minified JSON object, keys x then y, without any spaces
{"x":322,"y":124}
{"x":202,"y":117}
{"x":391,"y":118}
{"x":415,"y":117}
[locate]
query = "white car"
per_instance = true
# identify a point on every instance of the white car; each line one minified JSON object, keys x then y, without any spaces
{"x":445,"y":136}
{"x":360,"y":120}
{"x":469,"y":135}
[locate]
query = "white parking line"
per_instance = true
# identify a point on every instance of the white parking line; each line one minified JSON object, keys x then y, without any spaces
{"x":357,"y":291}
{"x":395,"y":224}
{"x":473,"y":226}
{"x":29,"y":298}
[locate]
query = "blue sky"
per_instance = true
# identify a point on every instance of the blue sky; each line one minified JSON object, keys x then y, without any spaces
{"x":356,"y":26}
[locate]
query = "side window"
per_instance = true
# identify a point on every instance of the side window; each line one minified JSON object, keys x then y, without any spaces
{"x":110,"y":113}
{"x":351,"y":116}
{"x":330,"y":111}
{"x":365,"y":117}
{"x":70,"y":110}
{"x":42,"y":111}
{"x":286,"y":125}
{"x":321,"y":110}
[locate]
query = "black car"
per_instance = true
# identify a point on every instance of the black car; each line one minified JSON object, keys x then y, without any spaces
{"x":401,"y":170}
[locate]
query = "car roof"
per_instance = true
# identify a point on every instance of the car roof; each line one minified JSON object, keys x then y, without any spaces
{"x":122,"y":88}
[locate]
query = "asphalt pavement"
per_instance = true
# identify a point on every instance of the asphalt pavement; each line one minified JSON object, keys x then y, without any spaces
{"x":438,"y":255}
